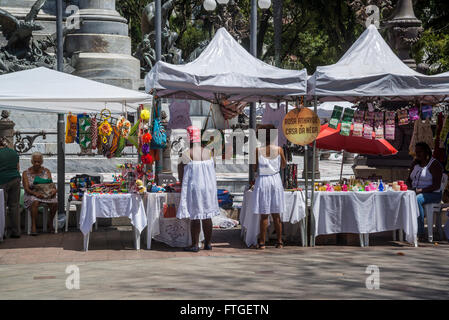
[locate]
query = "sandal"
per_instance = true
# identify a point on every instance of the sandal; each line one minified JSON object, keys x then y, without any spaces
{"x":261,"y":246}
{"x":279,"y":245}
{"x":192,"y":249}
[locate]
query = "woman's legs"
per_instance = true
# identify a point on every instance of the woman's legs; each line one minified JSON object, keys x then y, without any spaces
{"x":34,"y":212}
{"x":195,"y":229}
{"x":424,"y":198}
{"x":278,"y":226}
{"x":263,"y":228}
{"x":53,"y":208}
{"x":207,"y":229}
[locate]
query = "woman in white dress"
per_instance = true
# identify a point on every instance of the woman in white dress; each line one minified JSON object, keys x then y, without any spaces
{"x":268,"y":194}
{"x":199,"y":201}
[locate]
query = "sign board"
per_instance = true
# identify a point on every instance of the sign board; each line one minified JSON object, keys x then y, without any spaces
{"x":301,"y":126}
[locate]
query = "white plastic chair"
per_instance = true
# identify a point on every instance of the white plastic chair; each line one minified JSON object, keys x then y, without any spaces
{"x":45,"y":217}
{"x":431,"y":208}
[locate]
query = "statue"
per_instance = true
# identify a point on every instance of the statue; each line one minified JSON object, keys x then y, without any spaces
{"x":22,"y":51}
{"x":196,"y":53}
{"x":146,"y":49}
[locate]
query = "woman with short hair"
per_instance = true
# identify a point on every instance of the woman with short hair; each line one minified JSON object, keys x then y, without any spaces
{"x":34,"y":198}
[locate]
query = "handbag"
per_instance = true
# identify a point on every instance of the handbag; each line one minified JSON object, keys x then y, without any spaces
{"x":159,"y":140}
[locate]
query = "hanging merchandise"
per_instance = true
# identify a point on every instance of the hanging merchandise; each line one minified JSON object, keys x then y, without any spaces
{"x":359,"y":115}
{"x":159,"y":136}
{"x":426,"y":112}
{"x":179,"y":115}
{"x":379,"y":125}
{"x":403,"y":117}
{"x":114,"y":141}
{"x":70,"y":131}
{"x":105,"y":129}
{"x":444,"y":132}
{"x":291,"y":176}
{"x":422,"y":132}
{"x":84,"y":132}
{"x":275,"y":116}
{"x":335,"y":118}
{"x":390,"y":117}
{"x":346,"y":122}
{"x":104,"y":133}
{"x":413,"y":113}
{"x":124,"y":126}
{"x":230,"y":109}
{"x":438,"y":152}
{"x":93,"y":133}
{"x":368,"y":126}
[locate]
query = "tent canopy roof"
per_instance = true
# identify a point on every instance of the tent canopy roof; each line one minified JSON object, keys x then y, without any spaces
{"x":46,"y":90}
{"x":371,"y":69}
{"x":225,"y":67}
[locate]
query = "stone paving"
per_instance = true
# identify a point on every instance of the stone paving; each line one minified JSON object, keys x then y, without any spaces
{"x":35,"y":268}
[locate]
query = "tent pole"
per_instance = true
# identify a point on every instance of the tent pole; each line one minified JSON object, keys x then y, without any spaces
{"x":342,"y":161}
{"x":60,"y":126}
{"x":158,"y":40}
{"x":306,"y":178}
{"x":312,"y":218}
{"x":252,"y":108}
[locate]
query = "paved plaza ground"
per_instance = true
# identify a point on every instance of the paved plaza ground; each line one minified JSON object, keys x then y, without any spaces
{"x":35,"y":268}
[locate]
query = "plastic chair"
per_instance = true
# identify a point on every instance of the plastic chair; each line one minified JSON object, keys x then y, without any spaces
{"x":46,"y":212}
{"x":431,"y":208}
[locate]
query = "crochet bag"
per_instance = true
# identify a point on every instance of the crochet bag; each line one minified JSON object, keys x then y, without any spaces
{"x":159,"y":140}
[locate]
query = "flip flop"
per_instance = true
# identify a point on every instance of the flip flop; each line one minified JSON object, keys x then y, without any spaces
{"x":279,"y":245}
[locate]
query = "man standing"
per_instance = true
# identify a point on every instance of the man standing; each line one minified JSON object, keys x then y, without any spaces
{"x":10,"y":183}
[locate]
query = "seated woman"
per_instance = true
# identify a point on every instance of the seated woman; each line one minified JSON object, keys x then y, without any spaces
{"x":34,"y":198}
{"x":268,"y":194}
{"x":425,"y":179}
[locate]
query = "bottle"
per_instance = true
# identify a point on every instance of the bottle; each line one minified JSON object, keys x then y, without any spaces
{"x":381,"y":186}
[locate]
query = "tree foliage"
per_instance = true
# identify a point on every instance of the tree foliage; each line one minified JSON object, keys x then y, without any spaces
{"x":314,"y":32}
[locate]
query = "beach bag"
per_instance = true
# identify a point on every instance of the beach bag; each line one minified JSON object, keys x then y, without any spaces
{"x":159,"y":140}
{"x":44,"y":186}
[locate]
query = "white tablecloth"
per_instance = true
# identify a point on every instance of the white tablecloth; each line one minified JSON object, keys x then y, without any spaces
{"x":295,"y":211}
{"x":2,"y":214}
{"x":171,"y":231}
{"x":366,"y":212}
{"x":112,"y":206}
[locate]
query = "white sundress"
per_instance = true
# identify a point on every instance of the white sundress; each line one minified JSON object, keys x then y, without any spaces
{"x":268,"y":194}
{"x":199,"y":191}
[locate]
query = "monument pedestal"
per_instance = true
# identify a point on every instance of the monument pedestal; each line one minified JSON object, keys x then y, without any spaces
{"x":101,"y":48}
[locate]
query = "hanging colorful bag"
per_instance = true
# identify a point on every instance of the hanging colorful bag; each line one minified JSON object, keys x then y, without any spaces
{"x":159,"y":140}
{"x":70,"y":131}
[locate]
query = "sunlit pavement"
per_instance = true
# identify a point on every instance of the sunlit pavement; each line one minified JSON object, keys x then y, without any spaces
{"x":35,"y":268}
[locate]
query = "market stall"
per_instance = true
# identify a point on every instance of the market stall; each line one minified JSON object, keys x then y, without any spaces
{"x":367,"y":75}
{"x":225,"y":74}
{"x":93,"y":121}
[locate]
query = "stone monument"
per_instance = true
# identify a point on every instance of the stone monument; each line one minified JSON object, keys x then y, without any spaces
{"x":101,"y":48}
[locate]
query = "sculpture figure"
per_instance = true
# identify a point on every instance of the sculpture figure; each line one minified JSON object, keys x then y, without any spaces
{"x":22,"y":51}
{"x":146,"y":49}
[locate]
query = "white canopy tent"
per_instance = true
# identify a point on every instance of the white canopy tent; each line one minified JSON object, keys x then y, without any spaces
{"x":371,"y":69}
{"x":46,"y":90}
{"x":226,"y":70}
